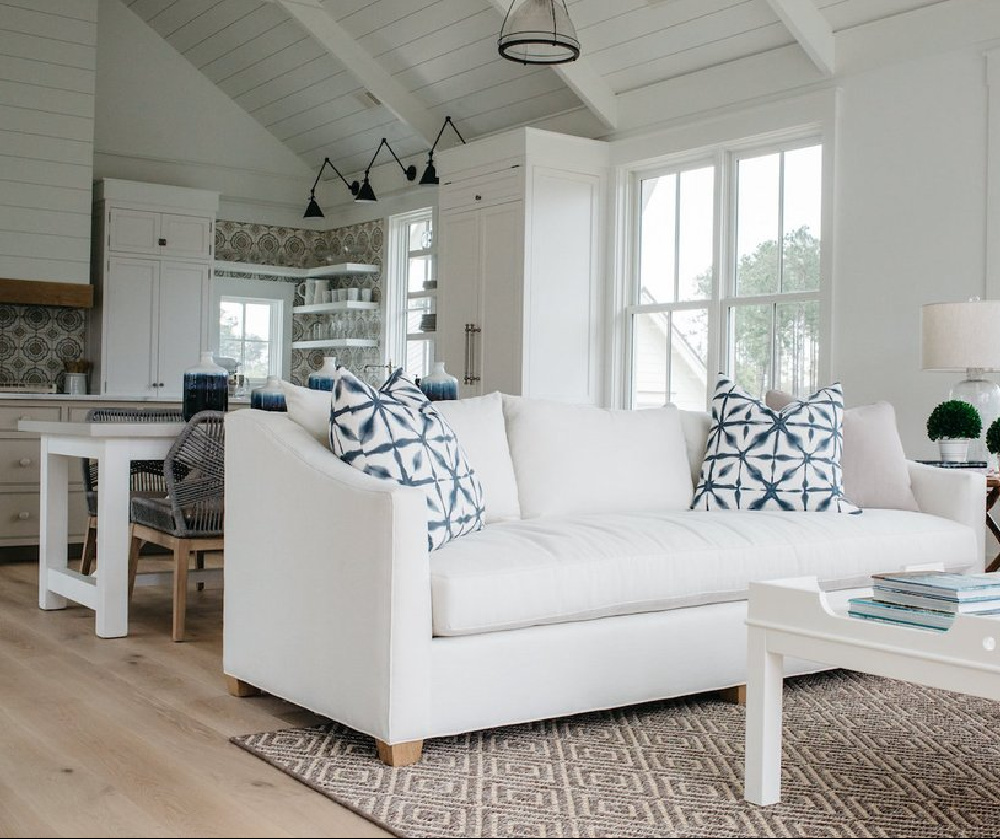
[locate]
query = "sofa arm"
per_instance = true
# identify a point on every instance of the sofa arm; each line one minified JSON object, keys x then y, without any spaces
{"x":956,"y":494}
{"x":327,"y":583}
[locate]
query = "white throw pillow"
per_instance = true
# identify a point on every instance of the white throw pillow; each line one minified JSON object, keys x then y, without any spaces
{"x":478,"y":424}
{"x":580,"y":459}
{"x":696,"y":425}
{"x":310,"y":409}
{"x":396,"y":433}
{"x":761,"y":459}
{"x":874,"y":463}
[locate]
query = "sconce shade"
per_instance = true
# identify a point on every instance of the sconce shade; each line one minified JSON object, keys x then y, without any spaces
{"x":366,"y":193}
{"x":961,"y":336}
{"x":538,"y":32}
{"x":313,"y":210}
{"x":429,"y":178}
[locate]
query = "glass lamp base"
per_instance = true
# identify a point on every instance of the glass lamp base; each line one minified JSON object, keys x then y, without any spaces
{"x":984,"y":396}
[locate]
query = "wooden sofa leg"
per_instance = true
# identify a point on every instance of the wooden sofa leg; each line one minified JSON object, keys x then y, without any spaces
{"x":737,"y":695}
{"x":399,"y":754}
{"x":237,"y":687}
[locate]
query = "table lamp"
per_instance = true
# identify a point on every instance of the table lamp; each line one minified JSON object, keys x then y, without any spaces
{"x":966,"y":336}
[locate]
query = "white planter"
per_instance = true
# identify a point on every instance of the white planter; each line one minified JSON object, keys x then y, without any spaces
{"x":954,"y":449}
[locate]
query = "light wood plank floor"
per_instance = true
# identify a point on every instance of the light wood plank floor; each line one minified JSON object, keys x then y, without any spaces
{"x":129,"y":736}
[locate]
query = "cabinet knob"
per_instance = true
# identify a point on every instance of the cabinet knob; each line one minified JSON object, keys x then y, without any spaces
{"x":163,"y":242}
{"x":24,"y":462}
{"x":24,"y":516}
{"x":479,"y":197}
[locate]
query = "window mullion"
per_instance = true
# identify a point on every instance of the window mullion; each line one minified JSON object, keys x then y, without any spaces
{"x":781,"y":222}
{"x":677,"y":238}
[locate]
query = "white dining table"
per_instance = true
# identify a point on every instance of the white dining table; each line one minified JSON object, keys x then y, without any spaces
{"x":114,"y":445}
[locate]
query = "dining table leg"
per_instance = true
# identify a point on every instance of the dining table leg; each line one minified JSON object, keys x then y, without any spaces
{"x":113,"y":540}
{"x":53,"y":533}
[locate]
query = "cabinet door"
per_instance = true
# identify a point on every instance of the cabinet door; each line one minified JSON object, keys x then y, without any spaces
{"x":459,"y":280}
{"x":499,"y":349}
{"x":133,"y":231}
{"x":182,"y":303}
{"x":186,"y":236}
{"x":129,"y":347}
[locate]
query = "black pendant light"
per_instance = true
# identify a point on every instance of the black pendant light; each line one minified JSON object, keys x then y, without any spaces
{"x":539,"y":32}
{"x":313,"y":209}
{"x":366,"y":193}
{"x":430,"y":178}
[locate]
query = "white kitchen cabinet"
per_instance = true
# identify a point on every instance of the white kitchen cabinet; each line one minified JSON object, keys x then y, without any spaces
{"x":150,"y":321}
{"x":521,"y":277}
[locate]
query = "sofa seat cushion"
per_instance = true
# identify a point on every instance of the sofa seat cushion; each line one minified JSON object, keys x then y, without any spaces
{"x":553,"y":570}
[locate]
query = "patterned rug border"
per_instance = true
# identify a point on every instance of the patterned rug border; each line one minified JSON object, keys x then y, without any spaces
{"x":347,"y":805}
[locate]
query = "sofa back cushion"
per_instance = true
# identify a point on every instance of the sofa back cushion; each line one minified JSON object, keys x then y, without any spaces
{"x":696,"y":425}
{"x":478,"y":424}
{"x":310,"y":409}
{"x":579,"y":459}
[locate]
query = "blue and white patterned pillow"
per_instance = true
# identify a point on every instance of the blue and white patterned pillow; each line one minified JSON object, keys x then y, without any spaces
{"x":396,"y":433}
{"x":760,"y":459}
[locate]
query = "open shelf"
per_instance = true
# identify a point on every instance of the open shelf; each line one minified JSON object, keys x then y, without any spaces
{"x":339,"y":306}
{"x":342,"y":269}
{"x":342,"y":343}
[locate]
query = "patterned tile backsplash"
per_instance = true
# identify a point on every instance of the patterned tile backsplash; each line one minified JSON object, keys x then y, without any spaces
{"x":264,"y":245}
{"x":36,"y":340}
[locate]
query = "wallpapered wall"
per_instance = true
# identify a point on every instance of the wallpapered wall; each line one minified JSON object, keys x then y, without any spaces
{"x":265,"y":245}
{"x":36,"y":340}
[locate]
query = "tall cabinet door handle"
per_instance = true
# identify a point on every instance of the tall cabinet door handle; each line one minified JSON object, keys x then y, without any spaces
{"x":471,"y":331}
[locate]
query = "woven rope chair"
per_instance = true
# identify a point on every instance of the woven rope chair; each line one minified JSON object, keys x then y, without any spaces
{"x":189,"y":519}
{"x":147,"y":475}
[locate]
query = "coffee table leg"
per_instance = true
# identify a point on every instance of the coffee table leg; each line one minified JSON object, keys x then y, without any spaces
{"x":762,"y":769}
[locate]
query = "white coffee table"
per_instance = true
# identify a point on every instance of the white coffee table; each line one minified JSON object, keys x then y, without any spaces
{"x":792,"y":617}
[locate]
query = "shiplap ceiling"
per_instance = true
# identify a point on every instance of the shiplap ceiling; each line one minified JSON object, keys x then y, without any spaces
{"x":442,"y":53}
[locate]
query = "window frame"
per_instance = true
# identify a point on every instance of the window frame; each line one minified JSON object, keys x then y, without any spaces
{"x":275,"y":341}
{"x":398,"y":295}
{"x":724,"y":157}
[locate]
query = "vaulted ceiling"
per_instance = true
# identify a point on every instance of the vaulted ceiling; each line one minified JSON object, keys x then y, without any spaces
{"x":307,"y":70}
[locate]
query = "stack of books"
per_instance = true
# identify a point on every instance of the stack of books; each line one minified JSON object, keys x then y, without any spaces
{"x":927,"y":599}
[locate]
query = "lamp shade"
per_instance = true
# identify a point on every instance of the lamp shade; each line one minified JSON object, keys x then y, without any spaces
{"x":961,"y":336}
{"x":539,"y":32}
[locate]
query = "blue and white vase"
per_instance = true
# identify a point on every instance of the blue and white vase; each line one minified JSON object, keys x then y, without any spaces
{"x":322,"y":379}
{"x":206,"y":387}
{"x":270,"y":397}
{"x":440,"y":384}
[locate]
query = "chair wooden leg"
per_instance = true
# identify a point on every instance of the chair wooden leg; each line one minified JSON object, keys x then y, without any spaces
{"x":134,"y":546}
{"x":199,"y":563}
{"x":182,"y":556}
{"x":399,"y":754}
{"x":89,"y":547}
{"x":737,"y":695}
{"x":237,"y":687}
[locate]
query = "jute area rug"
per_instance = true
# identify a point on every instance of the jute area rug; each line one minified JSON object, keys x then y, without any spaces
{"x":862,"y":757}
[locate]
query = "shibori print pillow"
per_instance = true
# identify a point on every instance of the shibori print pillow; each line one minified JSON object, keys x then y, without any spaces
{"x":396,"y":433}
{"x":760,"y":459}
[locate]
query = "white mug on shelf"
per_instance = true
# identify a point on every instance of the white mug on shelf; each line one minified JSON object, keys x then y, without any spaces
{"x":309,"y":293}
{"x":326,"y":296}
{"x":366,"y":295}
{"x":352,"y":294}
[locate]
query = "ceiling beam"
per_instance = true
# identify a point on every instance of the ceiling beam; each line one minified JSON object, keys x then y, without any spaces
{"x":329,"y":34}
{"x":811,"y":30}
{"x":585,"y":82}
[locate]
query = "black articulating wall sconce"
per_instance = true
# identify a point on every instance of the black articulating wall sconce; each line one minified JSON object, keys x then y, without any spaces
{"x":430,"y":178}
{"x":313,"y":210}
{"x":366,"y":193}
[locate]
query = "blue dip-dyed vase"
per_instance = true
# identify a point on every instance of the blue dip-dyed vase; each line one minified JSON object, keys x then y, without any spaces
{"x":206,"y":387}
{"x":322,"y":379}
{"x":440,"y":384}
{"x":269,"y":397}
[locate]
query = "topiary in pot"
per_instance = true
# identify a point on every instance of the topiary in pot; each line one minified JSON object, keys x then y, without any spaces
{"x":993,"y":438}
{"x":953,"y":424}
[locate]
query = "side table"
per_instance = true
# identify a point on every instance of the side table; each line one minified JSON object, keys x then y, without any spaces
{"x":993,"y":485}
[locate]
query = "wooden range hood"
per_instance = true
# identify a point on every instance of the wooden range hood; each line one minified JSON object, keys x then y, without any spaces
{"x":41,"y":293}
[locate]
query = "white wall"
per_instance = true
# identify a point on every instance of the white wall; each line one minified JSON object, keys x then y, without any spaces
{"x":910,"y":225}
{"x":47,"y":61}
{"x":159,"y":120}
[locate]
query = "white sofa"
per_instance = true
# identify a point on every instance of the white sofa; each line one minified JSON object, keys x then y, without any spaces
{"x":333,"y":602}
